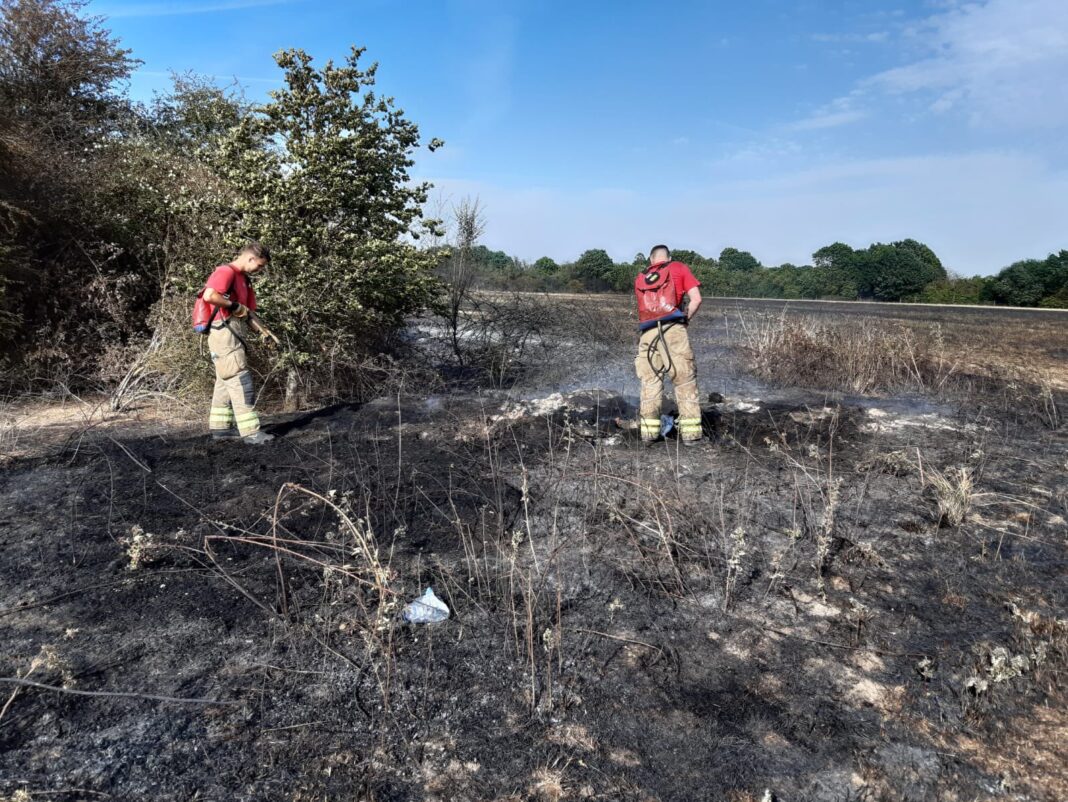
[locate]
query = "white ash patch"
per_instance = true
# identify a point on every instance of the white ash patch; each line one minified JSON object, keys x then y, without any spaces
{"x":533,"y":408}
{"x":745,"y":406}
{"x":815,"y":607}
{"x":882,"y":422}
{"x":811,"y":416}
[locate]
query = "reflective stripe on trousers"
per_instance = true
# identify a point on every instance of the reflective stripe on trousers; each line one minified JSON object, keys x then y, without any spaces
{"x":650,"y":428}
{"x":233,"y":400}
{"x":683,"y":375}
{"x":689,"y":428}
{"x":221,"y":417}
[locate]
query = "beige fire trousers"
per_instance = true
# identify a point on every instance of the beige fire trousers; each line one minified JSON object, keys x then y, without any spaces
{"x":233,"y":400}
{"x":653,"y":364}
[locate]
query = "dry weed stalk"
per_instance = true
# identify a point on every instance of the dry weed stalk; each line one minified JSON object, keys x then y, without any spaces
{"x":9,"y":432}
{"x":735,"y":558}
{"x":47,"y":658}
{"x":333,"y":559}
{"x":825,"y":532}
{"x":820,"y":484}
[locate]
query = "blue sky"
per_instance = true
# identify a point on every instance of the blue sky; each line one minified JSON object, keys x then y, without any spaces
{"x":777,"y":127}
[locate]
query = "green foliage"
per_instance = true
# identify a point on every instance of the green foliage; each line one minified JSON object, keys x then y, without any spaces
{"x":837,"y":255}
{"x":621,"y":277}
{"x":196,"y":114}
{"x":108,"y":209}
{"x":58,"y":69}
{"x":954,"y":290}
{"x":1058,"y":300}
{"x":494,"y":260}
{"x":687,"y":257}
{"x":733,"y":259}
{"x":320,"y":173}
{"x":67,"y":268}
{"x":882,"y":272}
{"x":899,"y":270}
{"x":1032,"y":282}
{"x":546,"y":265}
{"x":594,"y":266}
{"x":1019,"y":284}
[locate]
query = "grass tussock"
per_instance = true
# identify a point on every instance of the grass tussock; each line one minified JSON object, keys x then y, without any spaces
{"x":852,"y":356}
{"x":872,"y":357}
{"x":953,"y":491}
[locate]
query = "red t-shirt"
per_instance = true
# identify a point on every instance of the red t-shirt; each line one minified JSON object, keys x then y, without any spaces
{"x":232,"y":282}
{"x":683,"y":280}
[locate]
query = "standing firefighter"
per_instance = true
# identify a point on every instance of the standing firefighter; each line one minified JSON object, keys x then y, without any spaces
{"x":224,"y":310}
{"x":668,"y":298}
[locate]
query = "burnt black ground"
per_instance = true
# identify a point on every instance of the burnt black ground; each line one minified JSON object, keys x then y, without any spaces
{"x":638,"y":623}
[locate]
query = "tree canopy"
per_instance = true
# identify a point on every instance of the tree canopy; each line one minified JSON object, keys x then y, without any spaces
{"x":594,"y":265}
{"x":734,"y":259}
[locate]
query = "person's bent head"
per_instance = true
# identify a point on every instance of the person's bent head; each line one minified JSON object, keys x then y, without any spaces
{"x":253,"y":257}
{"x":658,"y":254}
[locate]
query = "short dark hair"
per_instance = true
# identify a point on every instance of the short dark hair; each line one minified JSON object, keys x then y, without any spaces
{"x":257,"y":249}
{"x":664,"y":248}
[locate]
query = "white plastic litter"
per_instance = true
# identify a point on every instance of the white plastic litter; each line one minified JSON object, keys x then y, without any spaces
{"x":427,"y":609}
{"x":667,"y":423}
{"x":745,"y":407}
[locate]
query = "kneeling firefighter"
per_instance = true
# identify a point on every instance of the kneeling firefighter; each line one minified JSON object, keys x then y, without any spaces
{"x":224,"y":310}
{"x":668,"y":297}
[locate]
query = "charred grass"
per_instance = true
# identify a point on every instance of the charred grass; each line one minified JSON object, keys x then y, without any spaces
{"x":999,"y":362}
{"x":793,"y":610}
{"x":813,"y":606}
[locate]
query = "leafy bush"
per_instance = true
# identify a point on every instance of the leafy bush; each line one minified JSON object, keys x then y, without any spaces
{"x":329,"y":161}
{"x":1032,"y":282}
{"x":123,"y":209}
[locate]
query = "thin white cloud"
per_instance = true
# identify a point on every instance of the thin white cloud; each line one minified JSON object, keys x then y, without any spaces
{"x":116,"y":10}
{"x":830,"y":119}
{"x":852,"y":38}
{"x":840,"y":111}
{"x":1002,"y":63}
{"x":756,"y":151}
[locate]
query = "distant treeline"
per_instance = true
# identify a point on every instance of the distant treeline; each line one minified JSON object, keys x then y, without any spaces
{"x":899,"y":271}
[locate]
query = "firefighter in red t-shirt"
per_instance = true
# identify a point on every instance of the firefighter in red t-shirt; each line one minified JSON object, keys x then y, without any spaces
{"x":233,"y":404}
{"x":668,"y":297}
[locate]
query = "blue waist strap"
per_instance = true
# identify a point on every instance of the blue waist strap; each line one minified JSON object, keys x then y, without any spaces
{"x":676,"y":315}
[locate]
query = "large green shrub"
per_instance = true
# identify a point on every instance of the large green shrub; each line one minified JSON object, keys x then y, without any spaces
{"x":320,"y":174}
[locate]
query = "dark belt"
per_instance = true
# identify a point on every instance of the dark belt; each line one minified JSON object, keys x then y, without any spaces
{"x":226,"y":324}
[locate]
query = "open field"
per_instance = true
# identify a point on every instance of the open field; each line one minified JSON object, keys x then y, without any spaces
{"x":844,"y":596}
{"x":980,"y":338}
